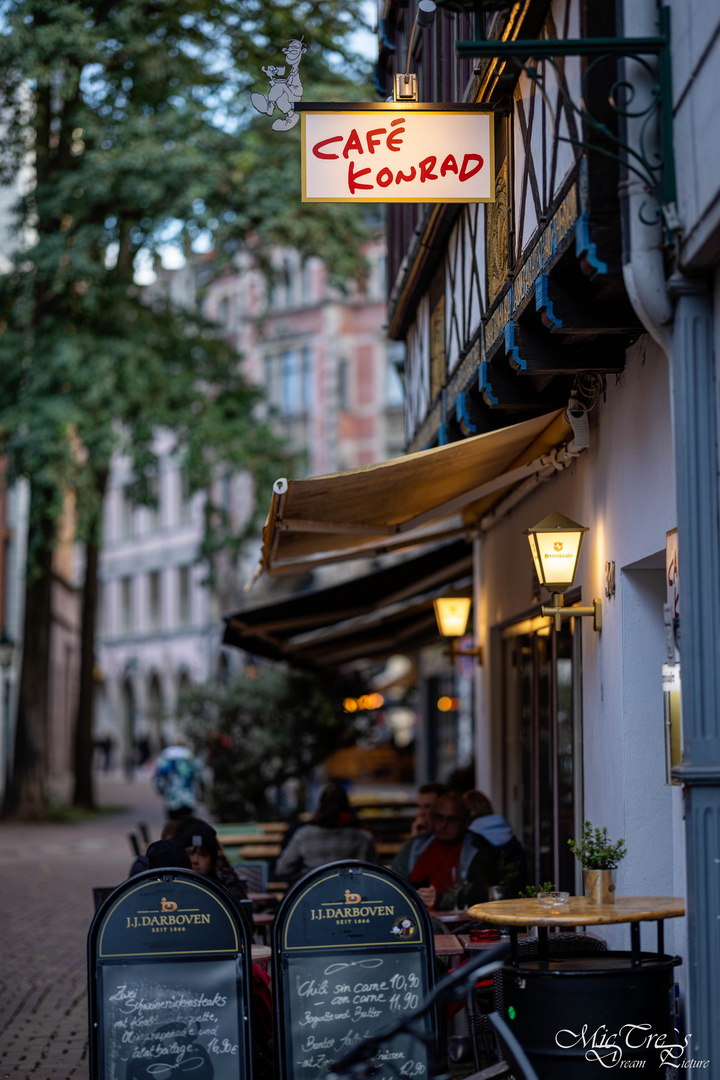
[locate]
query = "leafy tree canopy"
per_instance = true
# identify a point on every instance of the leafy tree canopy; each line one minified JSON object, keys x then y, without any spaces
{"x":133,"y":121}
{"x":258,"y":733}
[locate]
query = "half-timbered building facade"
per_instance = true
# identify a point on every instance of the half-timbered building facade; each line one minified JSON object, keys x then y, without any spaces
{"x":520,"y":309}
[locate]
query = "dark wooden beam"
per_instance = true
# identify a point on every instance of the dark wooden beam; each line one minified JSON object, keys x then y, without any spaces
{"x":537,"y":353}
{"x":564,"y":309}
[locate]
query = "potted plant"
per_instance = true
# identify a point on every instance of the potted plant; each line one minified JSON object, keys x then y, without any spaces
{"x":598,"y":857}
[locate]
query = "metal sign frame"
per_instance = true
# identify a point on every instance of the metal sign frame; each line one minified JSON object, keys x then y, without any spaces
{"x":112,"y":944}
{"x":345,"y":919}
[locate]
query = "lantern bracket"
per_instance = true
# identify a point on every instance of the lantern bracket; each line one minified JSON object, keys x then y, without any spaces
{"x":558,"y":611}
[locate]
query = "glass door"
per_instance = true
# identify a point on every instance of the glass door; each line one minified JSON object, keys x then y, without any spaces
{"x":542,"y":744}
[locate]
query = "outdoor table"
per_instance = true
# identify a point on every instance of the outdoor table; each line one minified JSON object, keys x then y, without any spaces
{"x":261,"y":953}
{"x":448,"y":945}
{"x":235,"y":839}
{"x":578,"y":911}
{"x":262,"y":897}
{"x":259,"y":851}
{"x":560,"y":1005}
{"x":450,"y":918}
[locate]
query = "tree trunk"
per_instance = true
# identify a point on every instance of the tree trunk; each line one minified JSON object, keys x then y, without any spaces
{"x":84,"y":789}
{"x":26,"y":798}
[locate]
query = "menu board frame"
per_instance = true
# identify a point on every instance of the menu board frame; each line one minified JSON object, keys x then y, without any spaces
{"x":169,"y":976}
{"x":343,"y":920}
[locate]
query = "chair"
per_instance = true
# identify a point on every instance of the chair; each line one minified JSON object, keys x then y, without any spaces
{"x":483,"y":1032}
{"x":101,"y":893}
{"x":253,"y":875}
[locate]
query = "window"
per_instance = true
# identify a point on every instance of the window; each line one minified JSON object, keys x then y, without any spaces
{"x":126,"y":514}
{"x":155,"y":600}
{"x":185,"y":514}
{"x":184,"y":596}
{"x":126,"y":605}
{"x":292,"y":398}
{"x":344,"y":385}
{"x":153,"y":510}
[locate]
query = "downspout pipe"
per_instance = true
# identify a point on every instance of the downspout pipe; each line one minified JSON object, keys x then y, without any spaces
{"x":643,"y":261}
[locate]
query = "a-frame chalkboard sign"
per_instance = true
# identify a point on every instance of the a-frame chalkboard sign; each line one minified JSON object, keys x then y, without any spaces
{"x":169,"y":981}
{"x":352,"y":953}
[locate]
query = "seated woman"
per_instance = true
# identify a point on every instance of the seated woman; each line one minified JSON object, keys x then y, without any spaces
{"x":334,"y":833}
{"x":201,"y":845}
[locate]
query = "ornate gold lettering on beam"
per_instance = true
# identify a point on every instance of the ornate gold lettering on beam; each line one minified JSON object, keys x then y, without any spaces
{"x":550,"y":244}
{"x":497,"y":235}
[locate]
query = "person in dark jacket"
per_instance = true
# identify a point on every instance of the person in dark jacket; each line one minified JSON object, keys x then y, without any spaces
{"x":448,"y":866}
{"x":496,"y":830}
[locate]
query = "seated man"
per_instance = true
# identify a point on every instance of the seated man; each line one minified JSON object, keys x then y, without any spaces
{"x":427,"y":796}
{"x":448,"y":866}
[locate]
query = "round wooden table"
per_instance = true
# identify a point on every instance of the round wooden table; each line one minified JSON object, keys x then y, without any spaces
{"x":561,"y":1005}
{"x":578,"y":911}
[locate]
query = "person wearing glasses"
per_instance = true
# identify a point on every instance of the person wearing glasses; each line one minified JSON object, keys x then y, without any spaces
{"x":449,"y":866}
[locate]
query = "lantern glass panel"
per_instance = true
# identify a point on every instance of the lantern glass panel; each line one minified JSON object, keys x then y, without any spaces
{"x":558,"y":553}
{"x":452,"y":613}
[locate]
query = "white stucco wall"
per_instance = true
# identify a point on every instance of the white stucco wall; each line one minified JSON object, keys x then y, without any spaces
{"x":623,"y":489}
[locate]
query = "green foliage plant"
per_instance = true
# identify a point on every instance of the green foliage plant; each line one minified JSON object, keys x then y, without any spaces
{"x":530,"y":892}
{"x":595,"y":851}
{"x":258,"y":733}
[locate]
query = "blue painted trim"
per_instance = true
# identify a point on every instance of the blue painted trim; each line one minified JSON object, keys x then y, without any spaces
{"x":483,"y":384}
{"x":462,"y":414}
{"x":585,"y":247}
{"x":379,"y":88}
{"x":543,"y":303}
{"x":511,"y":349}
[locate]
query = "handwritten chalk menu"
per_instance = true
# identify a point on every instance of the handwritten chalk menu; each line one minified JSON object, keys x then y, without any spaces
{"x":168,"y":1019}
{"x":352,"y":955}
{"x":169,"y":961}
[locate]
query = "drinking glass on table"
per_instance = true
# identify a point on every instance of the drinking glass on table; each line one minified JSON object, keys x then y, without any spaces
{"x":456,"y":885}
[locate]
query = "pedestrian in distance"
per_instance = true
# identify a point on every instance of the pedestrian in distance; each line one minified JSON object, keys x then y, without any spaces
{"x":178,"y":778}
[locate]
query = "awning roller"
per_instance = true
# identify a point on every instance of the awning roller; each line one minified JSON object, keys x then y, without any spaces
{"x":379,"y":507}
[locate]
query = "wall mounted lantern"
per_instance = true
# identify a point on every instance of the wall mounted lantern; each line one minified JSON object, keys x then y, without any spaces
{"x":451,"y":613}
{"x":555,"y":543}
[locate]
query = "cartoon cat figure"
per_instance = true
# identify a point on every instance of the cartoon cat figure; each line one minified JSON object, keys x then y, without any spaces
{"x":283,"y":92}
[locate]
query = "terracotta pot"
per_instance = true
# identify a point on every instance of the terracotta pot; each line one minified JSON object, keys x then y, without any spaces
{"x":599,"y":885}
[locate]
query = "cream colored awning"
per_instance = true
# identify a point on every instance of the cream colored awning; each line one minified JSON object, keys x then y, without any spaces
{"x":398,"y":502}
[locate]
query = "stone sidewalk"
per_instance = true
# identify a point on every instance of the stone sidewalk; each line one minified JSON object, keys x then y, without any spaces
{"x":47,"y":873}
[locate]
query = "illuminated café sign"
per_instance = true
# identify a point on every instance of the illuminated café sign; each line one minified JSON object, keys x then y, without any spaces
{"x":393,"y":154}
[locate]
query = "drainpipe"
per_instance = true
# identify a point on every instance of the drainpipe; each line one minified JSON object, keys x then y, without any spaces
{"x":643,"y":264}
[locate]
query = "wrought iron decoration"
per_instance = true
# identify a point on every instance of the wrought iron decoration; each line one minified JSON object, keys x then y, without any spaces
{"x":654,"y":167}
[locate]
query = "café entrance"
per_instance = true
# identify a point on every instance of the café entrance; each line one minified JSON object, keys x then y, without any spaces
{"x":542,"y":743}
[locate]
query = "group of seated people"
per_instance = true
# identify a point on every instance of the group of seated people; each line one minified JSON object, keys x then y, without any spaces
{"x":457,"y":850}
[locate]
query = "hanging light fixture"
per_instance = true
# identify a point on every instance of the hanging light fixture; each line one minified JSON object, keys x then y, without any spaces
{"x":555,"y":543}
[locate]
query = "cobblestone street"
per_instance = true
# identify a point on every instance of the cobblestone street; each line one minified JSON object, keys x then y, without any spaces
{"x":47,"y":873}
